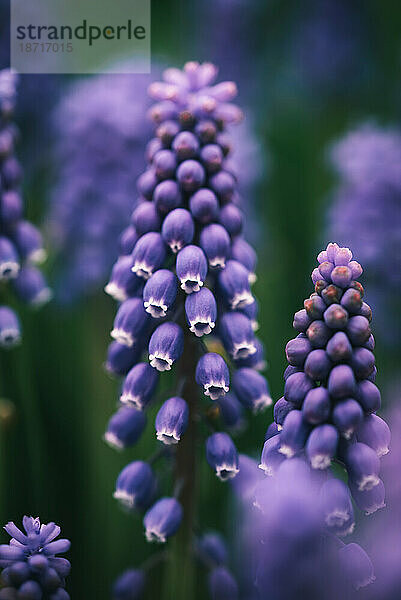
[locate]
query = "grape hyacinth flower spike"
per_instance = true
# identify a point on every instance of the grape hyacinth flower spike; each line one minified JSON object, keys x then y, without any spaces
{"x":21,"y":245}
{"x":330,"y":401}
{"x":31,"y":567}
{"x":187,"y":306}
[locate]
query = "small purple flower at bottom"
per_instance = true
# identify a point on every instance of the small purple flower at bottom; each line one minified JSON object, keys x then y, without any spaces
{"x":125,"y":427}
{"x":162,"y":520}
{"x":222,"y":455}
{"x":159,"y":293}
{"x":212,"y":375}
{"x":191,"y":267}
{"x":139,"y":385}
{"x":166,"y":346}
{"x":129,"y":585}
{"x":172,"y":420}
{"x":135,"y":485}
{"x":201,"y":312}
{"x":10,"y":330}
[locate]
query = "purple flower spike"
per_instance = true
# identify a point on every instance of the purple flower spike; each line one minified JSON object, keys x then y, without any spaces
{"x":172,"y":420}
{"x":123,"y":282}
{"x":191,"y":268}
{"x":222,"y":455}
{"x":212,"y":375}
{"x":139,"y":386}
{"x":237,"y":335}
{"x":166,"y":346}
{"x":215,"y":242}
{"x":130,"y":322}
{"x":252,"y":389}
{"x":162,"y":520}
{"x":222,"y":585}
{"x":201,"y":312}
{"x":356,"y":566}
{"x":159,"y":293}
{"x":125,"y":427}
{"x":190,"y":175}
{"x":10,"y":330}
{"x":337,"y":508}
{"x":148,"y":255}
{"x":145,"y":218}
{"x":135,"y":485}
{"x":178,"y":229}
{"x":234,"y":285}
{"x":204,"y":206}
{"x":129,"y":585}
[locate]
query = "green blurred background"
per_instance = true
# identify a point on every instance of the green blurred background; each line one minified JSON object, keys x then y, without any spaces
{"x":53,"y":460}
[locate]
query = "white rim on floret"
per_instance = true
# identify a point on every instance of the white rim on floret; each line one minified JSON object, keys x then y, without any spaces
{"x":261,"y":403}
{"x":168,"y":436}
{"x":252,"y":277}
{"x":286,"y":450}
{"x":175,"y":246}
{"x":153,"y":535}
{"x":191,"y":283}
{"x":122,"y":337}
{"x":242,"y":299}
{"x":42,"y":297}
{"x":267,"y":469}
{"x":226,"y":471}
{"x":128,"y":398}
{"x":142,"y":269}
{"x":112,"y":440}
{"x":125,"y":498}
{"x":218,"y":262}
{"x":161,"y":361}
{"x":156,"y":308}
{"x":9,"y":269}
{"x":10,"y":337}
{"x":201,"y":326}
{"x":243,"y":349}
{"x":368,"y":482}
{"x":337,"y":518}
{"x":116,"y":292}
{"x":215,"y":389}
{"x":320,"y":461}
{"x":37,"y":256}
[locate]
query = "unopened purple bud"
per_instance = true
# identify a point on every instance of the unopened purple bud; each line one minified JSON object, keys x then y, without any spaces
{"x":339,"y":347}
{"x":167,"y":131}
{"x":237,"y":335}
{"x":146,"y":183}
{"x":166,"y":346}
{"x":331,"y":294}
{"x":148,"y":255}
{"x":190,"y":175}
{"x":167,"y":196}
{"x":123,"y":281}
{"x":139,"y":386}
{"x":163,"y":110}
{"x":336,"y":316}
{"x":10,"y":330}
{"x":178,"y":229}
{"x":125,"y":427}
{"x":252,"y":389}
{"x":366,"y":311}
{"x":9,"y":261}
{"x":164,"y":163}
{"x":325,"y":269}
{"x":31,"y":286}
{"x":296,"y":387}
{"x":127,"y":240}
{"x":317,"y":365}
{"x":215,"y":242}
{"x":232,"y":219}
{"x":206,"y":131}
{"x":201,"y":312}
{"x":358,"y":330}
{"x":342,"y":382}
{"x":135,"y":485}
{"x":212,"y":157}
{"x":231,"y":411}
{"x":29,"y":242}
{"x":321,"y":446}
{"x":297,"y":350}
{"x":223,"y":184}
{"x":222,"y":585}
{"x":162,"y":520}
{"x":301,"y":321}
{"x":356,"y":566}
{"x":352,"y":300}
{"x":271,"y":457}
{"x":375,"y":433}
{"x":294,"y":434}
{"x":191,"y":268}
{"x":272,"y":430}
{"x":369,"y":501}
{"x":153,"y":146}
{"x":290,"y":370}
{"x":346,"y":416}
{"x":222,"y":455}
{"x":204,"y":206}
{"x":356,"y":269}
{"x":315,"y":306}
{"x":159,"y":293}
{"x":281,"y":410}
{"x":11,"y":206}
{"x":172,"y":420}
{"x":234,"y":285}
{"x":316,"y":276}
{"x":316,"y":406}
{"x":121,"y":358}
{"x":369,"y":396}
{"x":185,"y":145}
{"x":129,"y":585}
{"x":362,"y":362}
{"x":130,"y":322}
{"x":212,"y":547}
{"x":341,"y":276}
{"x":145,"y":218}
{"x":243,"y":253}
{"x":212,"y":375}
{"x":362,"y":464}
{"x":336,"y":507}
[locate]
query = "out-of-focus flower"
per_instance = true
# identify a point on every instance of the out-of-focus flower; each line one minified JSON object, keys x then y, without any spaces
{"x":21,"y":246}
{"x":330,"y":399}
{"x":31,"y":567}
{"x":129,"y":585}
{"x":366,"y":213}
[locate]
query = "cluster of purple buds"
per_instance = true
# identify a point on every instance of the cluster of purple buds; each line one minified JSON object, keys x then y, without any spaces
{"x":183,"y":283}
{"x":21,"y":246}
{"x":328,"y":411}
{"x":31,"y":568}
